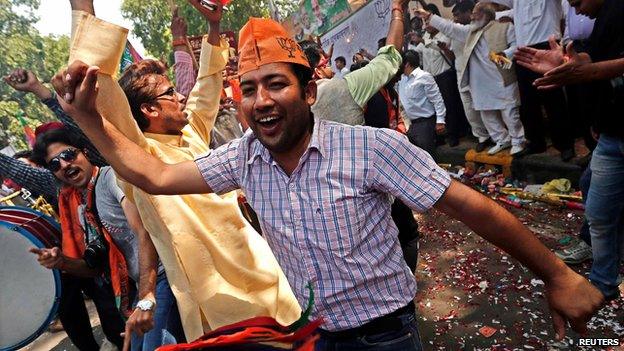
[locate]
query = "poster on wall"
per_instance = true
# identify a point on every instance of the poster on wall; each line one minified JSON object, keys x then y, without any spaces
{"x":360,"y":31}
{"x":315,"y":17}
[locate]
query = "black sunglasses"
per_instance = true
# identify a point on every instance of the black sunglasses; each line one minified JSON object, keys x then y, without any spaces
{"x":169,"y":92}
{"x":67,"y":155}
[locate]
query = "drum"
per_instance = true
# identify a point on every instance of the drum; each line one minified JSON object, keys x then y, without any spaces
{"x":29,"y":293}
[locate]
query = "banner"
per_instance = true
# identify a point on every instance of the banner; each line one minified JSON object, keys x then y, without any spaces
{"x":360,"y":31}
{"x":315,"y":17}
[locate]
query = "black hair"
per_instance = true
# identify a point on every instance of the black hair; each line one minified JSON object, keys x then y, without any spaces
{"x":40,"y":150}
{"x":341,"y":59}
{"x":358,"y":65}
{"x":312,"y":52}
{"x":23,"y":154}
{"x":381,"y":42}
{"x":433,"y":9}
{"x":303,"y":74}
{"x":463,"y":6}
{"x":411,"y":57}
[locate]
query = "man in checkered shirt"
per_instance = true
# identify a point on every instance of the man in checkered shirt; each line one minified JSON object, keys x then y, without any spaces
{"x":323,"y":193}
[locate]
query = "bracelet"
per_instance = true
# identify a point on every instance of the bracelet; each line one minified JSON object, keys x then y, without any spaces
{"x":396,"y":8}
{"x":398,"y":18}
{"x":179,"y":41}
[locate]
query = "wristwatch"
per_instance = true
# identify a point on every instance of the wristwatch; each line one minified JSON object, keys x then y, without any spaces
{"x":146,"y":305}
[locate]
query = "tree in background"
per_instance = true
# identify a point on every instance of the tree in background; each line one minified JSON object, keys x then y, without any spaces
{"x":151,"y":19}
{"x":22,"y":46}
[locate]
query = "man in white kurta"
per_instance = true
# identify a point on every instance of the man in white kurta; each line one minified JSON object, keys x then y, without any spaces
{"x":494,"y":96}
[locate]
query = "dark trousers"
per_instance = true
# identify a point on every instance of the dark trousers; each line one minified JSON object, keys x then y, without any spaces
{"x":456,"y":123}
{"x":422,"y":133}
{"x":554,"y":102}
{"x":75,"y":318}
{"x":408,"y":232}
{"x":396,"y":331}
{"x":582,"y":111}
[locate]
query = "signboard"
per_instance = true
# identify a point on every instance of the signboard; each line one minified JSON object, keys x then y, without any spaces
{"x":364,"y":27}
{"x":362,"y":30}
{"x":315,"y":17}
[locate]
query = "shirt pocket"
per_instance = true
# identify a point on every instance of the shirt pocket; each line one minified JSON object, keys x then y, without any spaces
{"x":336,"y":226}
{"x":532,"y":10}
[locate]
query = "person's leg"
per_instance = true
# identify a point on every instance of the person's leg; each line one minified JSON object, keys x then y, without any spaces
{"x":530,"y":109}
{"x":456,"y":123}
{"x":560,"y":126}
{"x":474,"y":118}
{"x":167,"y":324}
{"x":74,"y":316}
{"x":605,"y":204}
{"x":422,"y":134}
{"x":511,"y":118}
{"x":111,"y":319}
{"x":408,"y":232}
{"x":495,"y":127}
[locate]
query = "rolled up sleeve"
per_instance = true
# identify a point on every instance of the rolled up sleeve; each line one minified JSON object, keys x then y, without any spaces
{"x":406,"y":171}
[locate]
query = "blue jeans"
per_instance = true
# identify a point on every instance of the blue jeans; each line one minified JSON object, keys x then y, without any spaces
{"x":167,"y":325}
{"x":604,"y":209}
{"x":404,"y":339}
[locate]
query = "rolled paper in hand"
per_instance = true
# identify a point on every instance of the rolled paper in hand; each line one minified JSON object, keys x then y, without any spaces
{"x":212,"y":4}
{"x":500,"y":60}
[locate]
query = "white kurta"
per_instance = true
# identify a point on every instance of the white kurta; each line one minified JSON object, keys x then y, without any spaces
{"x":486,"y":83}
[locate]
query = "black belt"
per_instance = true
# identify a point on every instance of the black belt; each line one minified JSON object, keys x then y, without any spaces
{"x":388,"y":323}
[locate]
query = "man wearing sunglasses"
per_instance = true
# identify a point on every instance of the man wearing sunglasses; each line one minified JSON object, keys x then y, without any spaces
{"x":221,"y":271}
{"x":102,"y":232}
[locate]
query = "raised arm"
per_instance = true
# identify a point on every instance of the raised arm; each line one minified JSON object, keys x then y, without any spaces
{"x":26,"y":81}
{"x":129,"y":160}
{"x":185,"y":74}
{"x":449,"y":28}
{"x":203,"y":101}
{"x":366,"y":82}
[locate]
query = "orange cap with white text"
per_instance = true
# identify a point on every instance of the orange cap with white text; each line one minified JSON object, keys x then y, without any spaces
{"x":263,"y":41}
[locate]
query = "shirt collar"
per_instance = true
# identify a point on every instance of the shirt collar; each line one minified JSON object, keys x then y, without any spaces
{"x":316,"y":142}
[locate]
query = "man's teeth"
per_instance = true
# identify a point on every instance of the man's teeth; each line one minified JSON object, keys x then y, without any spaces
{"x":268,"y":119}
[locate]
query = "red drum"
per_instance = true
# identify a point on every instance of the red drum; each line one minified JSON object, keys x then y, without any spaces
{"x":29,"y":293}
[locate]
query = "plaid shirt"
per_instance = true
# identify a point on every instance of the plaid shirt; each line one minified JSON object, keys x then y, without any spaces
{"x":329,"y":223}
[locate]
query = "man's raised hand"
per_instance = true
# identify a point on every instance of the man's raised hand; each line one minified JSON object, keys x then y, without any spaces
{"x":212,"y":16}
{"x":77,"y":89}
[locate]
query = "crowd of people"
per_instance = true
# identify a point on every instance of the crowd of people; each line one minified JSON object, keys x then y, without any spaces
{"x":149,"y":175}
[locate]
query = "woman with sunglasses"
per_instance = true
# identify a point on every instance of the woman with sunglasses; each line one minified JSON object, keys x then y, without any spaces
{"x":102,"y":231}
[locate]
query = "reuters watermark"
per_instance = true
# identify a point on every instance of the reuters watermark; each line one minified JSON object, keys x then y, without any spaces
{"x":598,"y":342}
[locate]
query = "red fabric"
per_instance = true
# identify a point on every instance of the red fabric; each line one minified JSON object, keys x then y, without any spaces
{"x":396,"y":122}
{"x":254,"y":331}
{"x":48,"y":126}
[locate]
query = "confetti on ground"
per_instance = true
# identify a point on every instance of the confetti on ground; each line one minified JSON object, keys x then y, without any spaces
{"x":466,"y":284}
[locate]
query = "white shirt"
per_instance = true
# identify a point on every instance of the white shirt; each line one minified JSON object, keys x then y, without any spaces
{"x":420,"y":96}
{"x":485,"y":81}
{"x":433,"y":60}
{"x":535,"y":20}
{"x":341,"y":73}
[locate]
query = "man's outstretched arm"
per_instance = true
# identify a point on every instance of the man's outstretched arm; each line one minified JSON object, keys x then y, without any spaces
{"x":571,"y":298}
{"x":129,"y":160}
